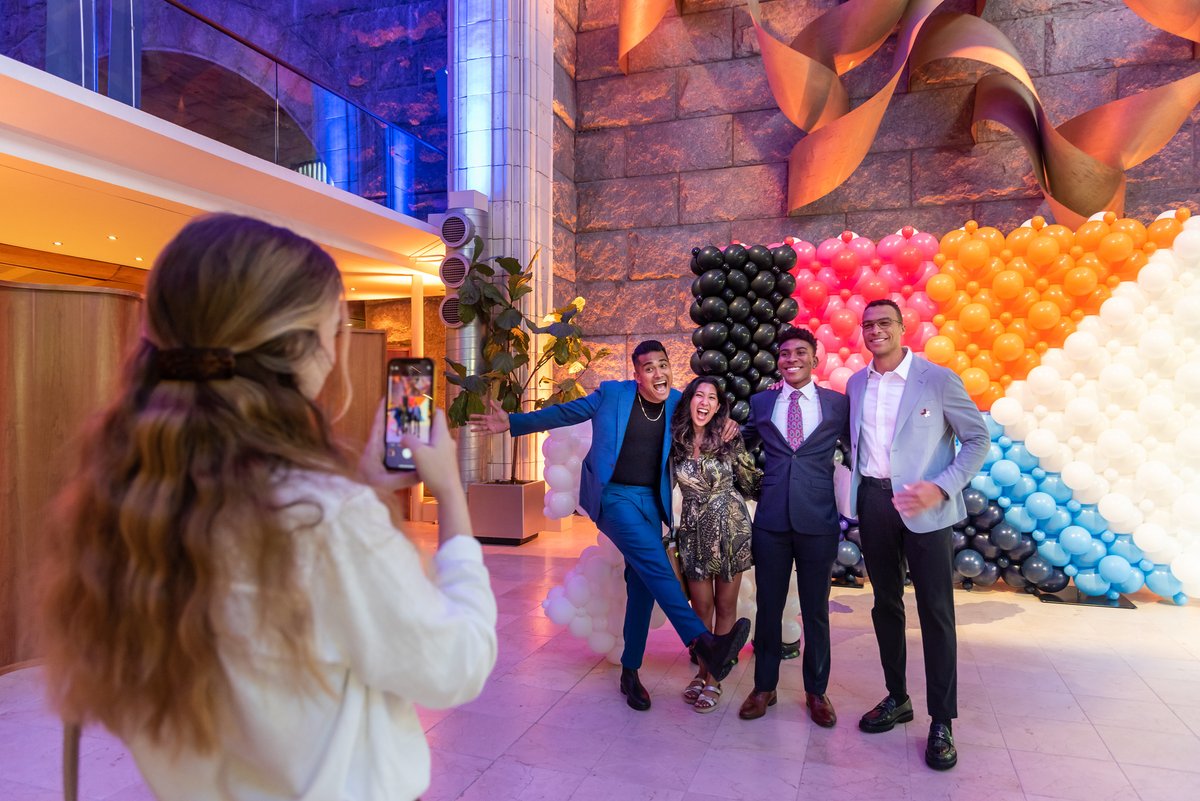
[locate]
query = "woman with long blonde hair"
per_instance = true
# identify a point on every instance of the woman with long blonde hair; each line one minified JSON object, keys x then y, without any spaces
{"x":227,"y":592}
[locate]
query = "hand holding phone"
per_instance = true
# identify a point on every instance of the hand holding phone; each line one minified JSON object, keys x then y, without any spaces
{"x":409,"y":409}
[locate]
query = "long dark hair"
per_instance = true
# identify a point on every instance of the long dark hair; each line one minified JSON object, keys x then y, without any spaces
{"x":682,"y":433}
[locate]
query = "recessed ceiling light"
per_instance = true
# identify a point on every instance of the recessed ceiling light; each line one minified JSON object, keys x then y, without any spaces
{"x":137,"y":258}
{"x":57,"y":242}
{"x":113,"y":237}
{"x":353,"y":289}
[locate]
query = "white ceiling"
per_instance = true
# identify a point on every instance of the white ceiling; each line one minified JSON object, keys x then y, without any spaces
{"x":77,"y":168}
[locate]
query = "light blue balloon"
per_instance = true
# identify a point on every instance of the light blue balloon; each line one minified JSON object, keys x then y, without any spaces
{"x":1161,"y":581}
{"x":1089,"y":582}
{"x":1038,"y":535}
{"x":1114,"y":569}
{"x":1040,"y":505}
{"x":1022,"y":489}
{"x":1075,"y":540}
{"x":1095,"y":552}
{"x":1018,"y":518}
{"x":1054,"y":553}
{"x":1090,"y":519}
{"x":1005,"y":473}
{"x":1180,"y":599}
{"x":1005,"y":442}
{"x":1024,"y":459}
{"x":1071,"y":571}
{"x":1053,"y":486}
{"x":1056,"y":522}
{"x":994,"y":455}
{"x":1123,"y":546}
{"x":987,"y":486}
{"x":1004,"y":502}
{"x":995,"y":430}
{"x":1038,"y":474}
{"x":1135,"y":582}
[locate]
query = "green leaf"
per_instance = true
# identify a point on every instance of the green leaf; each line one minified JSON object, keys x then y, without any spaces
{"x":476,"y":384}
{"x":457,"y":413}
{"x":509,"y":318}
{"x":520,"y":292}
{"x":509,"y":264}
{"x":503,"y":363}
{"x":483,"y":269}
{"x":466,"y":313}
{"x":510,"y":402}
{"x":460,"y":369}
{"x":492,"y":293}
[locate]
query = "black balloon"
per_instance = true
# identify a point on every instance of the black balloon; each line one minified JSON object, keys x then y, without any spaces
{"x":958,"y":539}
{"x":752,"y":349}
{"x":739,"y":335}
{"x":740,"y":411}
{"x":764,"y":362}
{"x":993,"y":515}
{"x":711,"y":283}
{"x":695,"y":363}
{"x":764,"y":383}
{"x":728,"y":294}
{"x":763,"y":283}
{"x":739,"y":362}
{"x":1005,"y":536}
{"x":975,"y":501}
{"x":775,"y":297}
{"x":784,"y":257}
{"x":1035,"y":569}
{"x":696,"y":336}
{"x":713,"y":309}
{"x":735,"y":256}
{"x":713,"y":335}
{"x":697,"y":314}
{"x":987,"y":550}
{"x":694,"y":265}
{"x":720,"y":379}
{"x":787,"y":309}
{"x":989,"y":576}
{"x":786,"y":283}
{"x":751,"y":322}
{"x":696,"y":288}
{"x":762,"y":309}
{"x":1057,"y":582}
{"x":739,"y":309}
{"x":737,"y":281}
{"x":750,"y":269}
{"x":1013,"y":578}
{"x":764,"y":335}
{"x":751,"y":295}
{"x":752,"y":375}
{"x":1024,"y":548}
{"x":709,"y":258}
{"x":760,"y":256}
{"x":739,"y":386}
{"x":773,"y":349}
{"x":729,"y":348}
{"x":854,"y":535}
{"x":713,"y":362}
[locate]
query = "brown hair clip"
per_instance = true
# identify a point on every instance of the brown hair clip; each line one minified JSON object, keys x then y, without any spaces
{"x":195,"y":364}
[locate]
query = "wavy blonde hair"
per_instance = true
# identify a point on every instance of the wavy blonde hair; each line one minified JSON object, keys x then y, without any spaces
{"x":176,"y":481}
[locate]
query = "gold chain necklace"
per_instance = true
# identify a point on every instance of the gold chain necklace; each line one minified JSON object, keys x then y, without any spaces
{"x":648,"y":417}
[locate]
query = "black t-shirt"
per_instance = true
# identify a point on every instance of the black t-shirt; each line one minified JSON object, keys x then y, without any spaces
{"x":640,"y":460}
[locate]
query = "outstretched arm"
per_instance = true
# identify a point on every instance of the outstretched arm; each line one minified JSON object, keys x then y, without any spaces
{"x":557,"y":416}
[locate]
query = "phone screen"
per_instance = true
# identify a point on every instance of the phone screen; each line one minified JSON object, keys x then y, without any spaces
{"x":409,"y":408}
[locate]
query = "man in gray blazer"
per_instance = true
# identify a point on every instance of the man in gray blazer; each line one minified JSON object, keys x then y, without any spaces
{"x":907,"y":487}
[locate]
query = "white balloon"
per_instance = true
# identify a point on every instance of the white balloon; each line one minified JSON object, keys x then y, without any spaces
{"x":556,"y":448}
{"x":1186,"y":568}
{"x":578,"y":589}
{"x":1117,"y":312}
{"x":601,"y":642}
{"x":559,"y":610}
{"x":1156,"y":344}
{"x":560,"y":478}
{"x":1156,"y":277}
{"x":1041,"y":443}
{"x":1078,"y":476}
{"x":791,"y":630}
{"x":1044,"y":380}
{"x":1187,"y":246}
{"x":1081,"y":346}
{"x":1006,"y":411}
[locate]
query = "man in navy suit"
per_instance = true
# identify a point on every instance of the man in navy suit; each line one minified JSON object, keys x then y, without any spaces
{"x":796,"y":522}
{"x":625,"y":487}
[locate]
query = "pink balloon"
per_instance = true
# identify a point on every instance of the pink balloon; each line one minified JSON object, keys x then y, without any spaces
{"x":921,"y":303}
{"x":806,"y":251}
{"x":888,"y":246}
{"x":892,"y":277}
{"x":927,"y":243}
{"x":856,"y":362}
{"x":864,"y":247}
{"x":827,"y":338}
{"x":828,"y":248}
{"x":839,"y":377}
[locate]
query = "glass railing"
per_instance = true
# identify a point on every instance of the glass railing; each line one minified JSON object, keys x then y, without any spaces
{"x":159,"y":56}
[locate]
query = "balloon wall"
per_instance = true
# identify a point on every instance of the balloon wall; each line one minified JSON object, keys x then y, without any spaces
{"x":564,"y":450}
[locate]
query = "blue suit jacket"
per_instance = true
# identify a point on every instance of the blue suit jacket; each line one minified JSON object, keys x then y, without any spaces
{"x":934,"y":409}
{"x":608,"y":408}
{"x":797,"y":486}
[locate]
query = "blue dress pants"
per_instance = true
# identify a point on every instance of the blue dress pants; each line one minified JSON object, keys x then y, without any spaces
{"x":630,"y":517}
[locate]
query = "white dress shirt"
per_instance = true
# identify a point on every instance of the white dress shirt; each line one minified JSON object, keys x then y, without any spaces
{"x":387,"y":633}
{"x":810,"y":409}
{"x":881,"y":403}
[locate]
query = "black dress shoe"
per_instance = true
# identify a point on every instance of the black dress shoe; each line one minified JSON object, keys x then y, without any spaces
{"x":940,"y":753}
{"x":635,"y":693}
{"x":886,"y":714}
{"x":719,"y":652}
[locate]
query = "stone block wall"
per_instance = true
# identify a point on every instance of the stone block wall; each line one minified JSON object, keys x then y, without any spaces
{"x":690,"y":148}
{"x":395,"y":317}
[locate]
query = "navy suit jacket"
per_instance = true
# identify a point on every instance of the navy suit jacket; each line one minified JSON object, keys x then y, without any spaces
{"x":797,"y":486}
{"x":608,"y":408}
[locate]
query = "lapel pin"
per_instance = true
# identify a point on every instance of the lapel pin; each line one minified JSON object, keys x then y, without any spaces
{"x":924,"y":412}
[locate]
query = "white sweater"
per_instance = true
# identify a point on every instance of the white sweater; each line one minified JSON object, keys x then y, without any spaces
{"x":386,"y":636}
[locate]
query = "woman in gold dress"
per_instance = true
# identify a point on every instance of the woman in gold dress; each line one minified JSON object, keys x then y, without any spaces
{"x":714,"y":477}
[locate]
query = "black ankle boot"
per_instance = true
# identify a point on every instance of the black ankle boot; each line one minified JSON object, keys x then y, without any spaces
{"x":635,"y":694}
{"x":718,"y":652}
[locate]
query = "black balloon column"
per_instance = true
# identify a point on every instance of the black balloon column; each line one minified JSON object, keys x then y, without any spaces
{"x":743,"y":302}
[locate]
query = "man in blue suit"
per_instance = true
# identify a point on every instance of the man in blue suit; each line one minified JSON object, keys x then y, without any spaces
{"x":625,"y":487}
{"x":907,"y":487}
{"x":796,"y":522}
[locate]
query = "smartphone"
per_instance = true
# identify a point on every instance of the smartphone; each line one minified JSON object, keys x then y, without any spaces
{"x":409,"y":409}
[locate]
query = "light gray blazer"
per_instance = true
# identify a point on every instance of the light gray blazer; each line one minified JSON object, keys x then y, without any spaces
{"x":934,"y":409}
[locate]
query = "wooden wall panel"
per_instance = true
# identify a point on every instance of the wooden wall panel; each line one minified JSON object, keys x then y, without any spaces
{"x":367,"y":364}
{"x":61,"y":352}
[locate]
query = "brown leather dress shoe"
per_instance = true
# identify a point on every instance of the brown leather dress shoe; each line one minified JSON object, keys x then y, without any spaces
{"x":820,"y":709}
{"x":756,"y":703}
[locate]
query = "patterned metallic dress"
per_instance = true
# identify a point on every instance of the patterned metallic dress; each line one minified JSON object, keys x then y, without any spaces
{"x":714,"y":525}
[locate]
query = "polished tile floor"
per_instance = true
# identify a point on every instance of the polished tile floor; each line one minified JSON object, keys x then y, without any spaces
{"x":1055,"y":703}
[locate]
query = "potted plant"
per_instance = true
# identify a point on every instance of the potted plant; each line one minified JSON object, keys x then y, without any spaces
{"x":510,"y":511}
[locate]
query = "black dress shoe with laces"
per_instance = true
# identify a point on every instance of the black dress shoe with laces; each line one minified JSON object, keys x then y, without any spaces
{"x":886,"y":714}
{"x":940,"y":753}
{"x":718,"y":652}
{"x":635,"y":693}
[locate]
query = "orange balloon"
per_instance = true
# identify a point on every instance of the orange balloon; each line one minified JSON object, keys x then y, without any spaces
{"x":1028,"y":360}
{"x":1092,"y":303}
{"x":975,"y":317}
{"x":973,"y":256}
{"x":1128,"y":270}
{"x":1018,"y":264}
{"x":939,"y":350}
{"x":1021,"y":329}
{"x":940,"y":288}
{"x":1018,"y":240}
{"x":1059,"y":332}
{"x":1042,"y":251}
{"x":1058,"y":268}
{"x":1090,"y":233}
{"x":959,"y":363}
{"x":988,"y":363}
{"x":954,"y":331}
{"x":1008,"y":347}
{"x":1008,"y":284}
{"x":992,"y":237}
{"x":988,"y":335}
{"x":1080,"y":281}
{"x":1115,"y":248}
{"x":1064,"y":236}
{"x":1028,"y":297}
{"x":1163,"y":232}
{"x":1136,"y":231}
{"x":1044,"y":315}
{"x":951,"y":243}
{"x":1059,"y":298}
{"x":976,"y":381}
{"x":987,"y":298}
{"x":993,"y":393}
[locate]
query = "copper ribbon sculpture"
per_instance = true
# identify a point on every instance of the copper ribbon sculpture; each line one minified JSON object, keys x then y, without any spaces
{"x":1080,"y":165}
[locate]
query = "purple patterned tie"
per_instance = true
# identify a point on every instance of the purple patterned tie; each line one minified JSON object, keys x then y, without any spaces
{"x":795,"y":422}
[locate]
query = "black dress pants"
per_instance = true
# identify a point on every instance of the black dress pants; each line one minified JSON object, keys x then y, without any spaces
{"x":886,"y":544}
{"x":774,"y":554}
